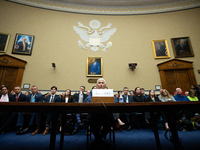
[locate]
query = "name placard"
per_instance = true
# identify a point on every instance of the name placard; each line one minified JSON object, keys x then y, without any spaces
{"x":102,"y":93}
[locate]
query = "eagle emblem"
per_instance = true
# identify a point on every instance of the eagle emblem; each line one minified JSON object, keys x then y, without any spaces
{"x":94,"y":37}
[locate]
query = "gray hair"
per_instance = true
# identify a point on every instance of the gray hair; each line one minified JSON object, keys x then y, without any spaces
{"x":101,"y":79}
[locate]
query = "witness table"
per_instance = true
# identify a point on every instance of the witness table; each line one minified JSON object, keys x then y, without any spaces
{"x":170,"y":107}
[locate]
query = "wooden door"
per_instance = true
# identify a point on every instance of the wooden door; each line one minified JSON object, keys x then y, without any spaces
{"x":11,"y":71}
{"x":8,"y":77}
{"x":183,"y":80}
{"x":171,"y":83}
{"x":177,"y":78}
{"x":177,"y":73}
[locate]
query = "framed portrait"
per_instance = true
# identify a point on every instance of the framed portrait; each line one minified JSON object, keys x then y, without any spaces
{"x":160,"y":49}
{"x":23,"y":44}
{"x":4,"y":39}
{"x":94,"y":66}
{"x":182,"y":47}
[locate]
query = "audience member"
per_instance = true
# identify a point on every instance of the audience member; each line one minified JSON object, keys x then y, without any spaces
{"x":152,"y":97}
{"x":50,"y":99}
{"x":160,"y":93}
{"x":66,"y":97}
{"x":8,"y":118}
{"x":138,"y":97}
{"x":182,"y":98}
{"x":34,"y":97}
{"x":4,"y":97}
{"x":166,"y":97}
{"x":131,"y":92}
{"x":191,"y":95}
{"x":143,"y":92}
{"x":179,"y":96}
{"x":128,"y":99}
{"x":27,"y":93}
{"x":88,"y":92}
{"x":79,"y":98}
{"x":196,"y":89}
{"x":186,"y":93}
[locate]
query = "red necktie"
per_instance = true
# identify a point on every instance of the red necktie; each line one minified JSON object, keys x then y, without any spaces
{"x":16,"y":98}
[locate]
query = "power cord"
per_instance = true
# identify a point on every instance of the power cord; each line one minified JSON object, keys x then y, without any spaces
{"x":168,"y":133}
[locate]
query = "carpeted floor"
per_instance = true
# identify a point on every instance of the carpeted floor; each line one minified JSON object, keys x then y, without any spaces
{"x":142,"y":139}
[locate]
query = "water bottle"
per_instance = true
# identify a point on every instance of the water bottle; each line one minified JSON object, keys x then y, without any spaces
{"x":121,"y":99}
{"x":80,"y":97}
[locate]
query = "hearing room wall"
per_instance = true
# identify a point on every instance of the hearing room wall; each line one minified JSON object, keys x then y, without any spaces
{"x":57,"y":42}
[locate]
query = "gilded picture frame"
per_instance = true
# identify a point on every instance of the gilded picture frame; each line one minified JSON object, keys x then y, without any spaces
{"x":182,"y":47}
{"x":4,"y":40}
{"x":94,"y":67}
{"x":160,"y":49}
{"x":23,"y":44}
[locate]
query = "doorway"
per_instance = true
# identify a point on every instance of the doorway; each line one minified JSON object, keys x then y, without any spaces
{"x":177,"y":73}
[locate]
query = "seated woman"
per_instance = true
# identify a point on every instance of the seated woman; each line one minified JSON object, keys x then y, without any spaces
{"x":192,"y":96}
{"x":150,"y":98}
{"x":166,"y":97}
{"x":65,"y":98}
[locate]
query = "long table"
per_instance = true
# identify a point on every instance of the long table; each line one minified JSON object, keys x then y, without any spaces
{"x":55,"y":108}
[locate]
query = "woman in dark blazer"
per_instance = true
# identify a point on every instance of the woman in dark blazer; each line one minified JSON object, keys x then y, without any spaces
{"x":152,"y":97}
{"x":66,"y":97}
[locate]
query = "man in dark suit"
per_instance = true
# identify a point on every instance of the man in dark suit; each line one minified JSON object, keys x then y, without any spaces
{"x":50,"y":99}
{"x":34,"y":97}
{"x":79,"y":98}
{"x":127,"y":99}
{"x":11,"y":117}
{"x":4,"y":97}
{"x":99,"y":119}
{"x":22,"y":46}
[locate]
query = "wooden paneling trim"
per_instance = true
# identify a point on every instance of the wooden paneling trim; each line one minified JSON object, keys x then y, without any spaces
{"x":192,"y":77}
{"x":19,"y":77}
{"x":163,"y":79}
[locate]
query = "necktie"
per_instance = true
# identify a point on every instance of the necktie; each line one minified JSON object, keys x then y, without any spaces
{"x":2,"y":100}
{"x":17,"y":98}
{"x":51,"y":99}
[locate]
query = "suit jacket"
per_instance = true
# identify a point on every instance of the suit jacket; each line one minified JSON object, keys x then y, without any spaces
{"x":69,"y":100}
{"x":139,"y":98}
{"x":38,"y":97}
{"x":10,"y":98}
{"x":76,"y":97}
{"x":95,"y":68}
{"x":21,"y":98}
{"x":20,"y":49}
{"x":56,"y":98}
{"x":130,"y":98}
{"x":150,"y":100}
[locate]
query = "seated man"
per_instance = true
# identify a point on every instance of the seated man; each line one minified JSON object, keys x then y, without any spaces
{"x":97,"y":120}
{"x":79,"y":98}
{"x":50,"y":99}
{"x":138,"y":97}
{"x":34,"y":97}
{"x":180,"y":97}
{"x":17,"y":97}
{"x":143,"y":92}
{"x":128,"y":99}
{"x":5,"y":116}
